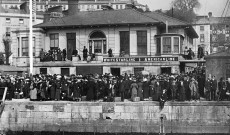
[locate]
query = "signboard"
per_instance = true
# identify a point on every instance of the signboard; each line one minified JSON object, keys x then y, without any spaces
{"x":140,"y":59}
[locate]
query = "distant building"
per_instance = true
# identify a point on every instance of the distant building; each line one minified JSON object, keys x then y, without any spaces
{"x":15,"y":20}
{"x":84,"y":5}
{"x":139,"y":41}
{"x":213,"y":33}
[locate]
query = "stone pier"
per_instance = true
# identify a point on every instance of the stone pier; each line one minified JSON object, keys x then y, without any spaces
{"x":116,"y":117}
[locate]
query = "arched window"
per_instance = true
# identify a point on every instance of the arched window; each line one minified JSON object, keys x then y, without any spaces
{"x":97,"y":43}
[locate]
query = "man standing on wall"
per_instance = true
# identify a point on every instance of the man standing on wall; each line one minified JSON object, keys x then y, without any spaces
{"x":85,"y":52}
{"x":213,"y":87}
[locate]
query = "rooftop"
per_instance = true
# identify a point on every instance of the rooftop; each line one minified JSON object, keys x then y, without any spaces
{"x":99,"y":18}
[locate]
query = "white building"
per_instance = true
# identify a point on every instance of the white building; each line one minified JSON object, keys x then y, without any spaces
{"x":84,"y":5}
{"x":202,"y":27}
{"x":13,"y":20}
{"x":141,"y":37}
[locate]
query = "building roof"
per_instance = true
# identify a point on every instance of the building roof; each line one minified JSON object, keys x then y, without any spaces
{"x":222,"y":54}
{"x":103,"y":17}
{"x":163,"y":18}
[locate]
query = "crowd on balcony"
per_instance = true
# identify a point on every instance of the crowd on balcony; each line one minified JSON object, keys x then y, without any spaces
{"x":183,"y":87}
{"x":56,"y":54}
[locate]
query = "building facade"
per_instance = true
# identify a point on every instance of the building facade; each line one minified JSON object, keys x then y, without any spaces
{"x":84,"y":5}
{"x":13,"y":21}
{"x":213,"y":33}
{"x":139,"y":41}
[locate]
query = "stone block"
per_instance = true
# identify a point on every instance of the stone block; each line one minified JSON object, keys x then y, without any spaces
{"x":222,"y":129}
{"x":104,"y":122}
{"x":50,"y":115}
{"x":47,"y":121}
{"x":136,"y":116}
{"x":153,"y":109}
{"x":64,"y":115}
{"x":208,"y":129}
{"x":46,"y":108}
{"x":68,"y":108}
{"x":58,"y":108}
{"x":113,"y":116}
{"x":150,"y":129}
{"x":194,"y":129}
{"x":118,"y":122}
{"x":136,"y":128}
{"x":133,"y":109}
{"x":22,"y":120}
{"x":101,"y":129}
{"x":125,"y":116}
{"x":80,"y":109}
{"x":94,"y":116}
{"x":145,"y":109}
{"x":119,"y":109}
{"x":95,"y":109}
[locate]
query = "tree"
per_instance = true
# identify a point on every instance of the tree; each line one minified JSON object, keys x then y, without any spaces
{"x":7,"y":42}
{"x":184,"y":9}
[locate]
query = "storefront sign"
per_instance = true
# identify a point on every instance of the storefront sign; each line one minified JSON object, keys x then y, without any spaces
{"x":140,"y":59}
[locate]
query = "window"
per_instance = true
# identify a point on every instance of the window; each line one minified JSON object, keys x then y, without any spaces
{"x":7,"y":20}
{"x":43,"y":71}
{"x":21,"y":21}
{"x":116,"y":6}
{"x":98,"y":6}
{"x":121,"y":6}
{"x":201,"y":37}
{"x":8,"y":31}
{"x":176,"y":44}
{"x":97,"y":43}
{"x":65,"y":71}
{"x":25,"y":46}
{"x":138,"y":70}
{"x":98,"y":46}
{"x":166,"y":44}
{"x":142,"y":42}
{"x":201,"y":28}
{"x":54,"y":41}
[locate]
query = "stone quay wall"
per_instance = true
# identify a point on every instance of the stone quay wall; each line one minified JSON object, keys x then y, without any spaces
{"x":117,"y":117}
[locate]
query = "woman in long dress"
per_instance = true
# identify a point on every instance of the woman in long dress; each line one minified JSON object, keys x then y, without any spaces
{"x":134,"y":88}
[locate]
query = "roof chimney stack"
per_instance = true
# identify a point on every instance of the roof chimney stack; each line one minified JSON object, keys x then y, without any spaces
{"x":73,"y":7}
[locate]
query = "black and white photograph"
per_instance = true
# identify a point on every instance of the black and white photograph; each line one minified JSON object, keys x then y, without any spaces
{"x":114,"y":67}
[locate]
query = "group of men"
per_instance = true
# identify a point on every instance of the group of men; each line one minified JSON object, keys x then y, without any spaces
{"x":106,"y":87}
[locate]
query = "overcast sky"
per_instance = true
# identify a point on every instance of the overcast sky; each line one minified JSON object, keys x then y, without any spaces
{"x":214,"y":6}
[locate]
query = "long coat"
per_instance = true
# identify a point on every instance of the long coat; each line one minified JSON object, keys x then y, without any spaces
{"x":146,"y":93}
{"x":91,"y":90}
{"x":140,"y":88}
{"x":134,"y":88}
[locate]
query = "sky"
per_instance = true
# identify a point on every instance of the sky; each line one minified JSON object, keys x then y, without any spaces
{"x":214,"y":6}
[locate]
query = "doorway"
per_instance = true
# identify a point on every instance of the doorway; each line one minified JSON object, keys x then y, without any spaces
{"x":71,"y":44}
{"x":116,"y":71}
{"x":124,"y":42}
{"x":166,"y":70}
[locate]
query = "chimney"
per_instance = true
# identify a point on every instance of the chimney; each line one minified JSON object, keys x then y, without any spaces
{"x":73,"y":7}
{"x":209,"y":14}
{"x":25,"y":6}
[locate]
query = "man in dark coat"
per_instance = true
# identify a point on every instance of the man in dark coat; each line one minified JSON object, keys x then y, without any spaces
{"x":85,"y":53}
{"x":64,"y":54}
{"x":91,"y":90}
{"x":163,"y":99}
{"x":187,"y":89}
{"x":200,"y":52}
{"x":213,"y":87}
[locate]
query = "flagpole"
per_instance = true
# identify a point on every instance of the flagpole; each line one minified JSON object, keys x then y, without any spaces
{"x":31,"y":38}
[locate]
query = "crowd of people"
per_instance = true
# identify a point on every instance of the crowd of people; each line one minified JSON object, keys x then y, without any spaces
{"x":56,"y":54}
{"x":183,"y":87}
